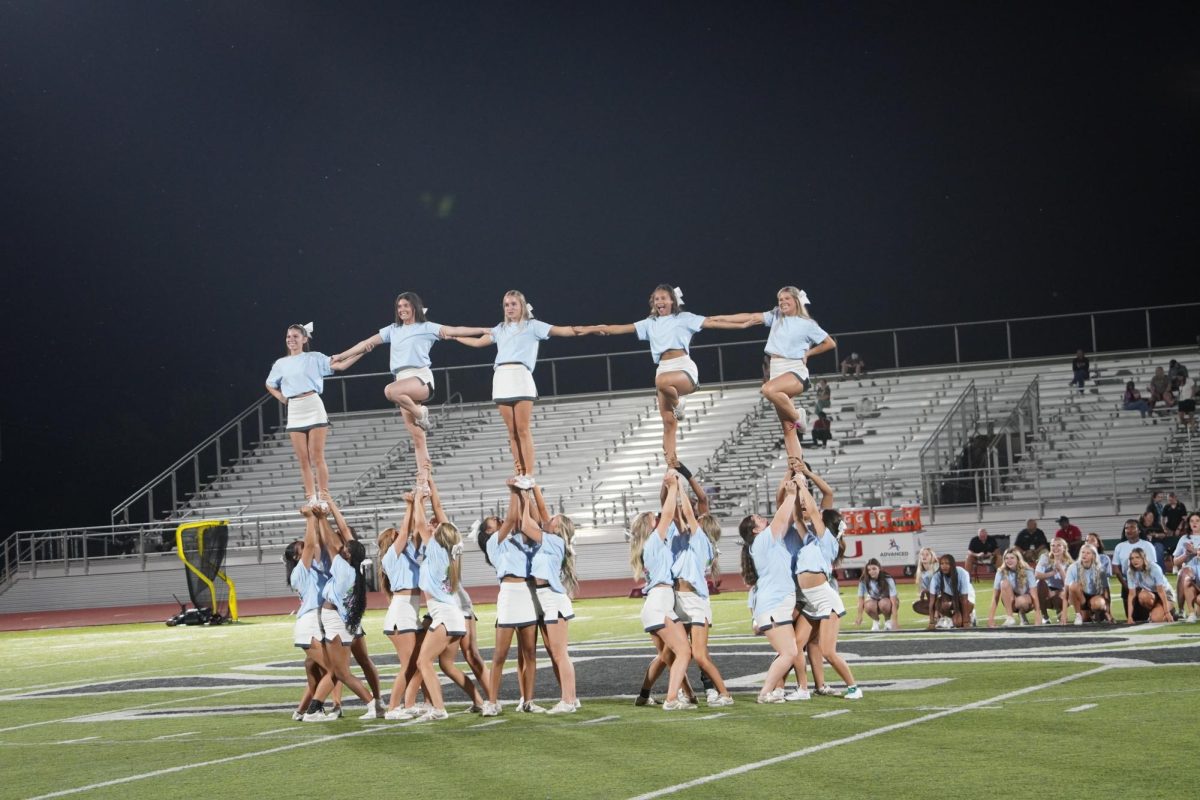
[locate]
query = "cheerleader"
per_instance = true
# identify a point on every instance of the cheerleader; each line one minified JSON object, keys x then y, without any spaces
{"x":927,"y":567}
{"x":1015,"y":587}
{"x":877,"y":597}
{"x":298,"y":558}
{"x":795,"y":337}
{"x":510,"y":554}
{"x":1087,"y":586}
{"x":513,"y":388}
{"x":951,"y":596}
{"x":400,"y":568}
{"x":411,"y":337}
{"x":1147,"y":600}
{"x":766,"y":568}
{"x":1051,"y":574}
{"x":297,"y":380}
{"x":1184,"y":561}
{"x":650,"y":557}
{"x":834,"y":548}
{"x":669,"y":329}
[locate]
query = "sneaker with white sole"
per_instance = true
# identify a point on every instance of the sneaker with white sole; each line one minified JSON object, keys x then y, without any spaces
{"x":854,"y":693}
{"x":676,"y":705}
{"x":336,"y":712}
{"x":826,"y":691}
{"x":422,"y":419}
{"x":798,"y":694}
{"x":490,"y":709}
{"x":710,"y":696}
{"x":297,"y":716}
{"x":1009,"y":622}
{"x":433,"y":715}
{"x":874,"y":626}
{"x":399,"y":713}
{"x":773,"y":696}
{"x":525,"y":482}
{"x":319,"y":716}
{"x":888,"y":626}
{"x":1190,"y":618}
{"x":474,"y":709}
{"x":678,"y":409}
{"x":561,"y":707}
{"x":578,"y":705}
{"x":720,"y":701}
{"x":375,"y":710}
{"x":1079,"y":619}
{"x":644,"y":701}
{"x":531,"y":708}
{"x":801,"y":421}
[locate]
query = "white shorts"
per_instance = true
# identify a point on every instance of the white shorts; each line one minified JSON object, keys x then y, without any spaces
{"x":464,"y":603}
{"x":796,"y":366}
{"x":658,"y":608}
{"x":403,"y":614}
{"x":682,"y":364}
{"x":555,"y":605}
{"x":697,"y":608}
{"x":306,"y":413}
{"x":306,"y":629}
{"x":514,"y":606}
{"x":424,"y":373}
{"x":448,"y":615}
{"x":335,"y":627}
{"x":820,"y":602}
{"x":513,"y":382}
{"x":780,"y":615}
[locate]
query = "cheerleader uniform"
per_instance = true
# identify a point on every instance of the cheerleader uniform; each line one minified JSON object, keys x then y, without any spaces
{"x":659,"y":605}
{"x":435,"y":582}
{"x":403,"y":573}
{"x":789,"y":341}
{"x":823,"y":601}
{"x":775,"y":592}
{"x":301,"y":379}
{"x":882,"y":589}
{"x":338,"y":591}
{"x":546,"y":569}
{"x":410,"y":350}
{"x":1004,"y":576}
{"x":939,"y":586}
{"x":671,"y":332}
{"x":512,"y":559}
{"x":690,"y":560}
{"x":304,"y":581}
{"x":1094,"y":580}
{"x":1055,"y":582}
{"x":516,"y":356}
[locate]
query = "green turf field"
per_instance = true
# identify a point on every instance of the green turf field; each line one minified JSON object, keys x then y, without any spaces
{"x":202,"y":712}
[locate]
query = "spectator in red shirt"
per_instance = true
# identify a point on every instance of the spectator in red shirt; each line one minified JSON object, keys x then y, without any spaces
{"x":1072,"y":534}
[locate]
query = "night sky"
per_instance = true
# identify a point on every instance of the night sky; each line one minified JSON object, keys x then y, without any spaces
{"x":182,"y":180}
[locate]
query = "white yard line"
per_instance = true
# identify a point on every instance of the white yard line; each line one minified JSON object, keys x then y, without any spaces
{"x":176,"y":735}
{"x":858,"y":737}
{"x":1083,"y":707}
{"x":833,"y":713}
{"x":600,"y":719}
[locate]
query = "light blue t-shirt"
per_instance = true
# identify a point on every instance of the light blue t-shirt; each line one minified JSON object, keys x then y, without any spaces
{"x":548,"y":560}
{"x":1121,"y":552}
{"x":772,"y":562}
{"x":410,"y":344}
{"x":881,"y":589}
{"x":1055,"y":580}
{"x":435,"y":573}
{"x":517,"y":342}
{"x":692,"y":553}
{"x":1181,"y":546}
{"x":513,"y":556}
{"x":791,"y":337}
{"x":1149,"y":579}
{"x":669,"y":332}
{"x":656,"y":558}
{"x":339,"y":589}
{"x":939,"y":586}
{"x":1094,"y":580}
{"x":1004,"y":576}
{"x":299,"y":374}
{"x":402,"y":569}
{"x":927,"y":580}
{"x":304,"y":583}
{"x":814,"y":555}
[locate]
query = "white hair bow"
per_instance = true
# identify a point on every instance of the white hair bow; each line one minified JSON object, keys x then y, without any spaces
{"x":365,"y":567}
{"x":308,"y":329}
{"x":529,"y":309}
{"x":476,"y":527}
{"x":678,"y":296}
{"x":804,"y":298}
{"x":424,"y":310}
{"x":456,"y":551}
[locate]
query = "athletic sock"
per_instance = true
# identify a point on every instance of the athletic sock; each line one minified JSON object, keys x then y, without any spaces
{"x":644,"y":693}
{"x":314,"y":706}
{"x":706,"y":681}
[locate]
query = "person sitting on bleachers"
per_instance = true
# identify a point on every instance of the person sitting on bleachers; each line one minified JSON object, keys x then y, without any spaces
{"x":1071,"y":534}
{"x":1132,"y":400}
{"x":820,"y":430}
{"x":1178,"y":375}
{"x":1186,"y":561}
{"x":854,"y":365}
{"x":824,"y":395}
{"x":1081,"y":370}
{"x":1014,"y":587}
{"x":1120,"y":556}
{"x":1147,"y":598}
{"x":1187,"y":408}
{"x":981,"y":550}
{"x":1087,"y":587}
{"x":1160,"y":389}
{"x":1031,"y":541}
{"x":1051,"y":574}
{"x":877,"y":597}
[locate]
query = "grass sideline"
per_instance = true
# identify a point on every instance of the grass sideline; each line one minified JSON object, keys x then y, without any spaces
{"x":957,"y":735}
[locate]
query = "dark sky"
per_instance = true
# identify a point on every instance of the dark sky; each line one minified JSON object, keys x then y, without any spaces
{"x":184,"y":179}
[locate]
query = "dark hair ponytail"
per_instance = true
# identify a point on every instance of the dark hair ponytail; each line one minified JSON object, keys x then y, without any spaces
{"x":746,"y":531}
{"x":358,"y":598}
{"x":291,"y":557}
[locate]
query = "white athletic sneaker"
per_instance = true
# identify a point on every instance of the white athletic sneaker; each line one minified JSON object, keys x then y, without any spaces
{"x":531,"y":708}
{"x":490,"y":710}
{"x":773,"y":696}
{"x":826,"y":691}
{"x":887,"y":626}
{"x":433,"y":715}
{"x":395,"y":713}
{"x":645,"y":701}
{"x":678,"y":409}
{"x":422,"y":419}
{"x":710,"y":696}
{"x":677,"y":705}
{"x":1079,"y":619}
{"x":319,"y":716}
{"x":1009,"y":622}
{"x":403,"y":713}
{"x":1191,"y":617}
{"x":801,"y":421}
{"x":578,"y":705}
{"x":798,"y":694}
{"x":525,"y":482}
{"x":853,"y":694}
{"x":720,"y":701}
{"x":374,"y":711}
{"x":562,"y":707}
{"x":945,"y":624}
{"x":874,"y":626}
{"x":336,"y":712}
{"x":297,"y":716}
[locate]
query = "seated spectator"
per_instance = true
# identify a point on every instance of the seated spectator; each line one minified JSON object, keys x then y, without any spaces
{"x":1156,"y":506}
{"x":1031,"y":541}
{"x":1177,"y":374}
{"x":1147,"y":597}
{"x":824,"y":395}
{"x":1070,"y":534}
{"x":865,"y":408}
{"x":1120,"y":556}
{"x":981,"y":550}
{"x":1171,"y":518}
{"x":1160,"y":389}
{"x":877,"y":596}
{"x":951,"y":596}
{"x":821,"y":433}
{"x":1081,"y":370}
{"x":1051,"y":574}
{"x":1153,"y":533}
{"x":1015,"y":587}
{"x":927,"y":564}
{"x":1187,"y":408}
{"x":1133,"y":401}
{"x":1186,"y":560}
{"x":853,"y":365}
{"x":1087,"y":587}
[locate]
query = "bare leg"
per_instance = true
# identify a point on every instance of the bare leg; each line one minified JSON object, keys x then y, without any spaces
{"x":471,"y":654}
{"x":507,"y":414}
{"x":300,"y":445}
{"x":671,"y":386}
{"x":527,"y":672}
{"x":780,"y":393}
{"x":783,"y":641}
{"x":337,"y":658}
{"x":829,"y":634}
{"x":435,"y":642}
{"x":359,"y":651}
{"x":404,"y":644}
{"x":456,"y":675}
{"x":316,"y":456}
{"x":703,"y":660}
{"x":420,"y":448}
{"x":556,"y":638}
{"x":674,"y":638}
{"x":499,"y":654}
{"x":522,"y":418}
